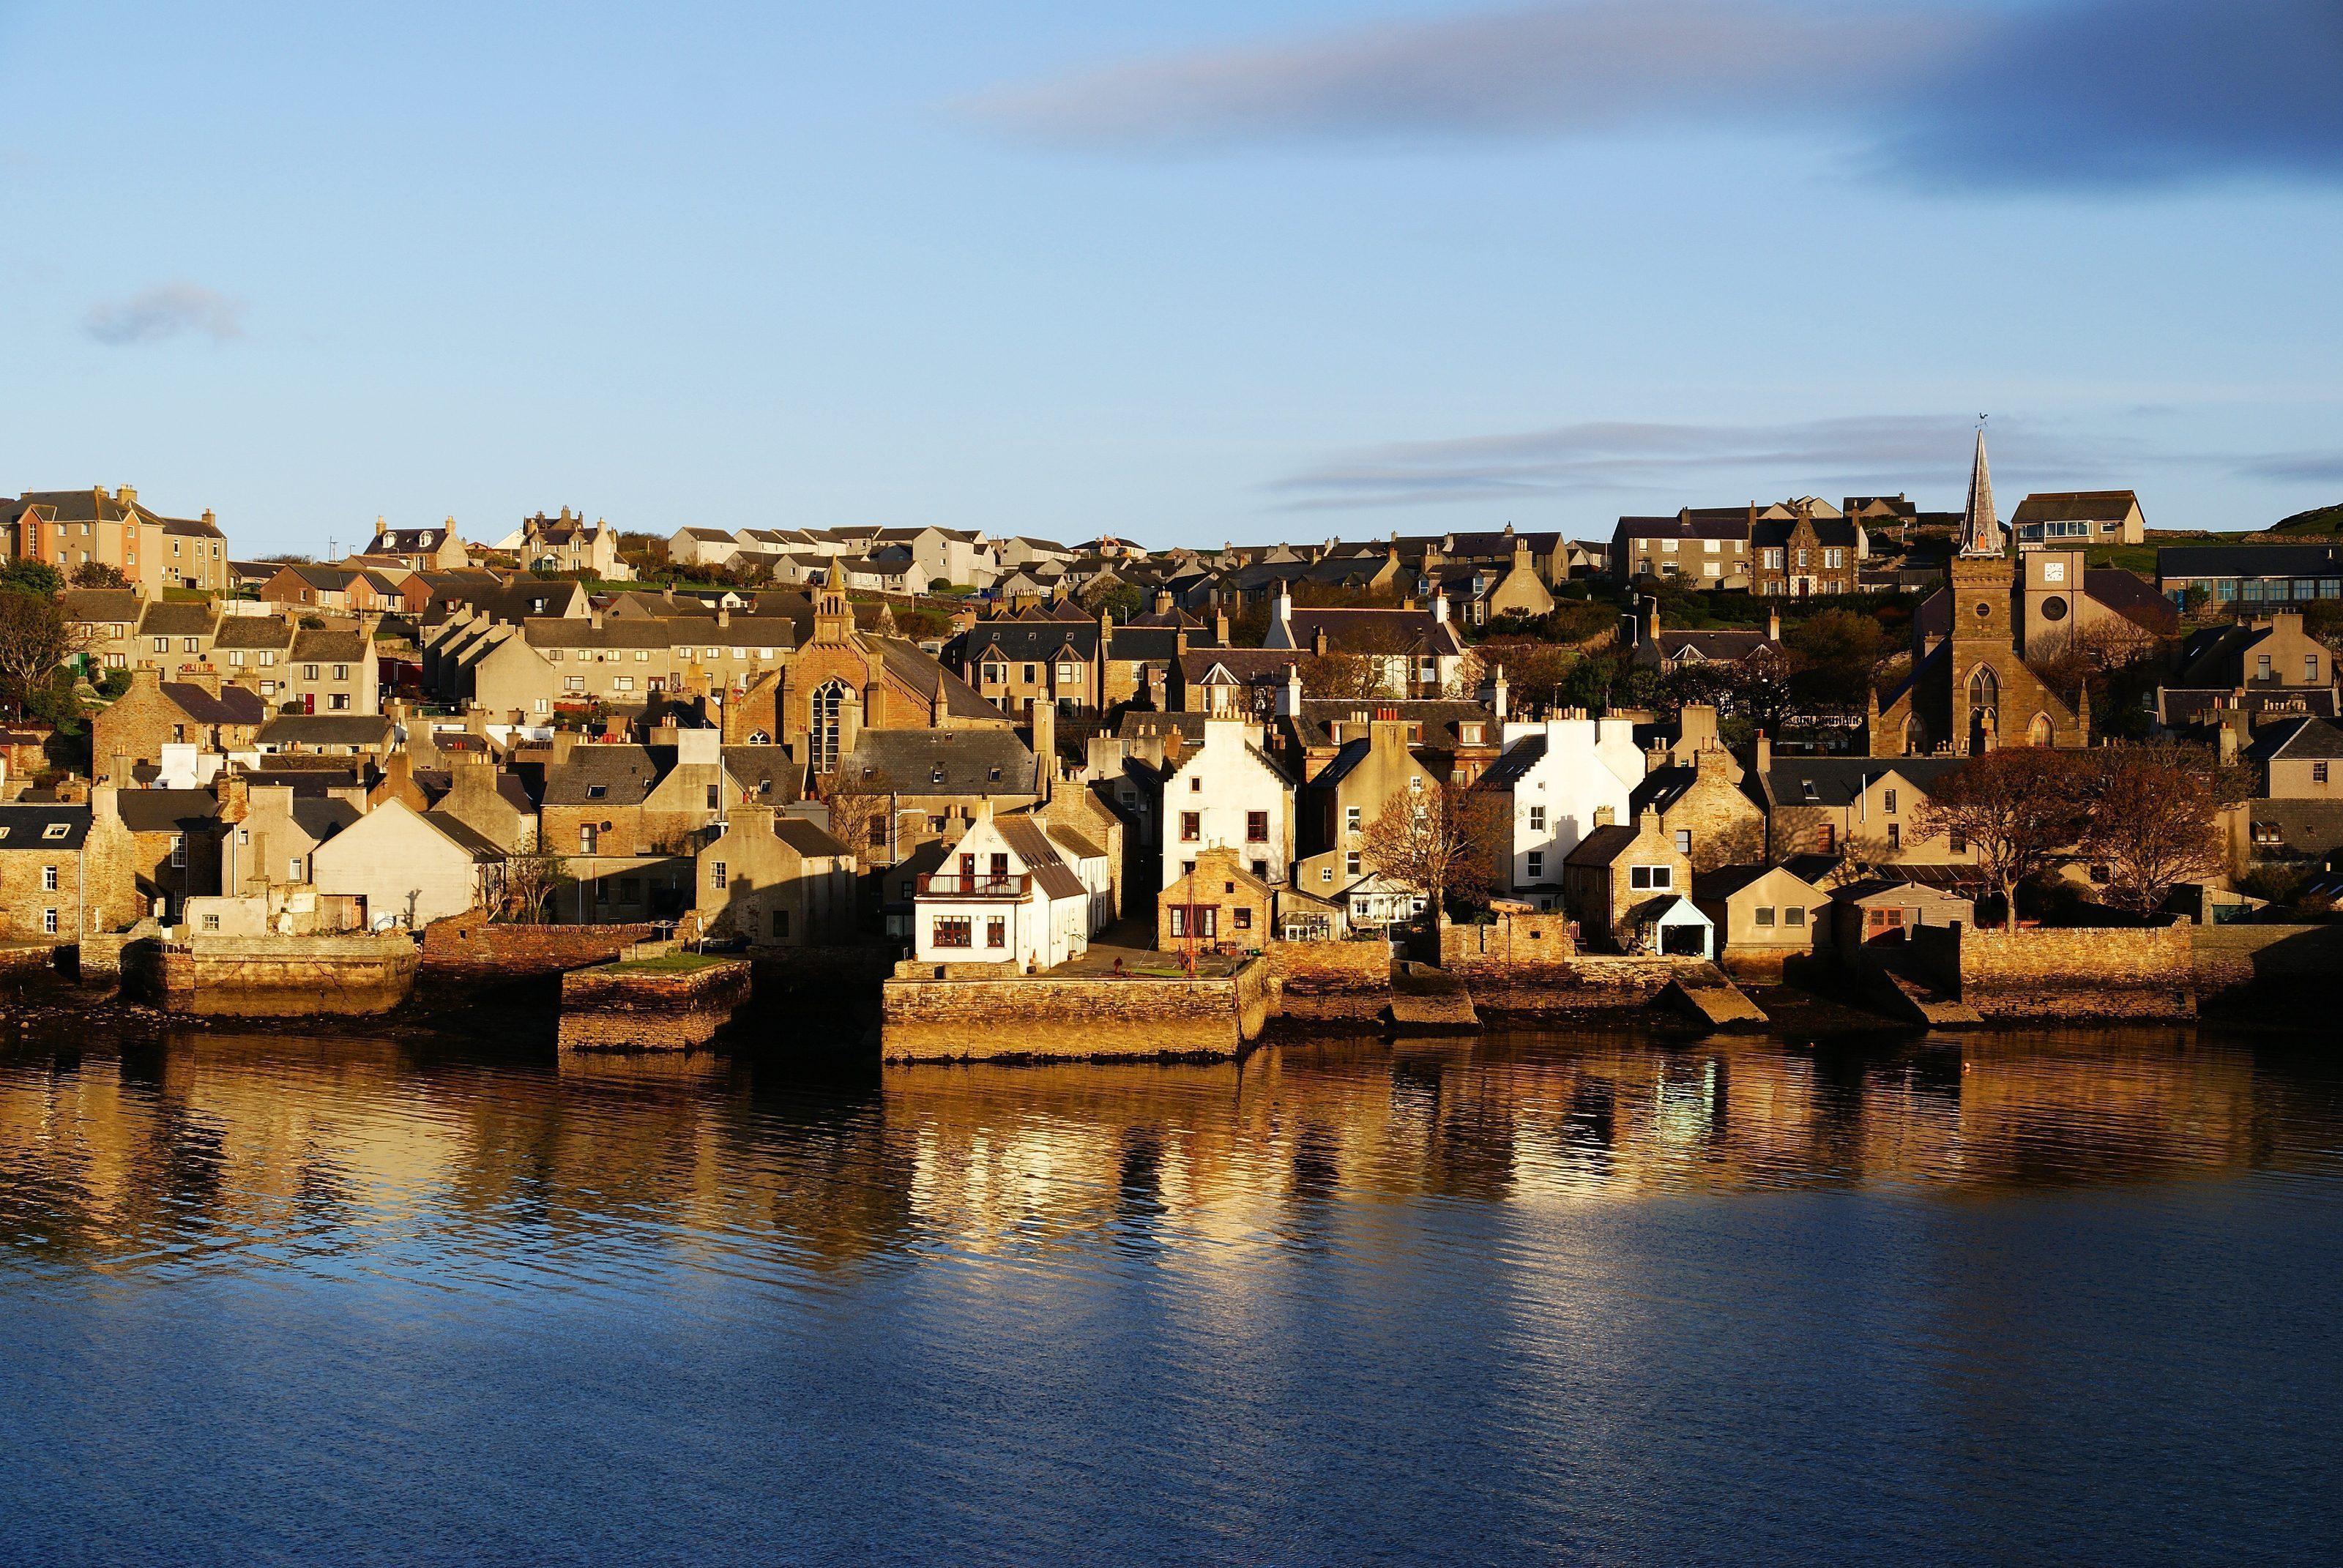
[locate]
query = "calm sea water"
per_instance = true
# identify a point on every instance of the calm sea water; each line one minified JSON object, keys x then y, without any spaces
{"x":1534,"y":1299}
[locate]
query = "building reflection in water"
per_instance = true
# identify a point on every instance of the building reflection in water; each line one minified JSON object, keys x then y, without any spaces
{"x":225,"y":1150}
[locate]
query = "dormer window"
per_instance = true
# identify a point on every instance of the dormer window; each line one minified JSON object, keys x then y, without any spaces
{"x":56,"y":831}
{"x":597,"y":791}
{"x":1812,"y":794}
{"x":935,"y":776}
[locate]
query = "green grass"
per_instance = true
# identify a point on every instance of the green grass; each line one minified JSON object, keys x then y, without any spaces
{"x":2140,"y":558}
{"x":670,"y":963}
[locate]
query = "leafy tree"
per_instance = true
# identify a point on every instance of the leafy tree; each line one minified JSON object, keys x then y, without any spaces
{"x":2153,"y":823}
{"x":98,"y":575}
{"x":35,"y":638}
{"x":2019,"y":807}
{"x":1836,"y":651}
{"x":27,"y":576}
{"x":1352,"y":675}
{"x":1442,"y":842}
{"x":1121,"y":600}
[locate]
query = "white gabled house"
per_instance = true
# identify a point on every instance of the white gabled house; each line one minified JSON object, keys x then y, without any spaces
{"x":1227,"y":793}
{"x":1010,"y":892}
{"x":1559,"y":779}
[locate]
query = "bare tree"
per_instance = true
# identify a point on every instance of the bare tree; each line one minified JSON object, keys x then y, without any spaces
{"x":531,"y":878}
{"x":2019,"y":807}
{"x":2153,"y":823}
{"x":861,"y":811}
{"x":1439,"y":842}
{"x":1356,"y":677}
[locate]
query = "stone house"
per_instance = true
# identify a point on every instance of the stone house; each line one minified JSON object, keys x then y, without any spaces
{"x":2298,"y":759}
{"x":104,"y":624}
{"x":1334,"y":812}
{"x":2074,"y":517}
{"x":1804,"y":554}
{"x":1860,"y":809}
{"x":1480,"y":592}
{"x":1226,"y":792}
{"x":844,"y":681}
{"x":176,"y":635}
{"x":198,"y":711}
{"x":1558,"y":780}
{"x":253,"y":651}
{"x":907,"y":788}
{"x":407,"y":868}
{"x":1421,"y":650}
{"x":569,"y":544}
{"x":1877,"y":909}
{"x":1015,"y":662}
{"x":624,"y":799}
{"x":174,"y":845}
{"x":268,"y":831}
{"x":490,"y":801}
{"x":328,"y":734}
{"x":320,"y":589}
{"x":1220,"y":903}
{"x":1620,"y":879}
{"x":421,"y":549}
{"x":610,"y":660}
{"x":71,"y":528}
{"x":1006,"y":895}
{"x":1652,"y":645}
{"x":332,"y":669}
{"x":1703,"y":547}
{"x":779,"y":881}
{"x":1712,"y":817}
{"x":46,"y":891}
{"x":1763,"y":915}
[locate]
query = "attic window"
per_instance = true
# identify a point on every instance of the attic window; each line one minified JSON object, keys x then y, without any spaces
{"x":935,"y":776}
{"x":55,"y":830}
{"x":1811,"y":793}
{"x":596,"y":792}
{"x":995,"y":775}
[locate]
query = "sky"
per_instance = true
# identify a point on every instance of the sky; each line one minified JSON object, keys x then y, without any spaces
{"x":1186,"y":271}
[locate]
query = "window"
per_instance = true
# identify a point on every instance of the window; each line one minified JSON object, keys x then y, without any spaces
{"x":1256,"y":826}
{"x":1683,"y":840}
{"x":1069,"y":673}
{"x":1895,"y":835}
{"x":268,"y":658}
{"x":57,"y":830}
{"x":1802,"y":559}
{"x":308,"y":672}
{"x":48,"y":878}
{"x":178,"y":850}
{"x":1650,"y":878}
{"x":2319,"y":773}
{"x":293,"y":869}
{"x":715,"y":797}
{"x":2262,"y":667}
{"x":338,"y":702}
{"x":542,"y":705}
{"x":1325,"y":876}
{"x":719,"y":874}
{"x":573,"y":683}
{"x":879,"y":833}
{"x":1826,"y":839}
{"x":1772,"y":560}
{"x":1794,"y":915}
{"x":117,"y":661}
{"x":623,"y":683}
{"x":631,"y":890}
{"x":588,"y":837}
{"x":2311,"y":669}
{"x":211,"y":922}
{"x":1956,"y":841}
{"x":49,"y":922}
{"x":161,"y":645}
{"x":1537,"y":818}
{"x":1537,"y":864}
{"x":1196,"y":784}
{"x":1888,"y":801}
{"x":1834,"y":557}
{"x":597,"y":791}
{"x":1350,"y":818}
{"x":190,"y":645}
{"x":642,"y":656}
{"x":996,"y":932}
{"x":1191,"y":826}
{"x":1244,"y":919}
{"x":994,"y":674}
{"x":954,"y":932}
{"x":1351,"y":864}
{"x":1764,"y":914}
{"x":1029,"y":675}
{"x":1259,"y":868}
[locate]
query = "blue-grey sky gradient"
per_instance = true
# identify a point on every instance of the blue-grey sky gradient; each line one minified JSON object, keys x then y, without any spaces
{"x":1184,"y":272}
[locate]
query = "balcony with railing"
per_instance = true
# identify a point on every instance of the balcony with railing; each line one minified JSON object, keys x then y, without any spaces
{"x":950,"y":885}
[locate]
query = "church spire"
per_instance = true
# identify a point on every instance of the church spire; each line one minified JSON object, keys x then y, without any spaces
{"x":1980,"y":529}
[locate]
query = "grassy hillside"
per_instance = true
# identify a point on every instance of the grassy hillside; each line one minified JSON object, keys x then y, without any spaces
{"x":2321,"y":522}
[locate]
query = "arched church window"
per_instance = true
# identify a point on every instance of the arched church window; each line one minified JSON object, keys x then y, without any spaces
{"x":2038,"y":732}
{"x":822,"y":733}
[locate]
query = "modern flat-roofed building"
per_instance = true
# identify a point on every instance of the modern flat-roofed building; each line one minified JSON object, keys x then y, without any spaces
{"x":2254,"y":576}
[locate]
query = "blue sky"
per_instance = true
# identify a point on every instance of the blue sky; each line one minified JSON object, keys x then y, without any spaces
{"x":1187,"y":272}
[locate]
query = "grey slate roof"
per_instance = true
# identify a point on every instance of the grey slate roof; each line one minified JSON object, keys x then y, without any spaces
{"x":234,"y":705}
{"x":325,"y":729}
{"x":1838,"y":781}
{"x":1515,"y":766}
{"x":768,"y":773}
{"x":2248,"y":561}
{"x":970,"y":761}
{"x":253,"y":631}
{"x":805,"y":838}
{"x":1024,"y":836}
{"x":327,"y":646}
{"x":2298,"y":740}
{"x":323,"y":816}
{"x":28,"y":826}
{"x":625,"y":775}
{"x":1600,"y":847}
{"x":167,"y":810}
{"x":92,"y":605}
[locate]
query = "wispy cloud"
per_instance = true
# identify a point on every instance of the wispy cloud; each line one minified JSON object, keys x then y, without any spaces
{"x":169,"y":310}
{"x":2294,"y":467}
{"x":2066,"y":93}
{"x":1889,"y":452}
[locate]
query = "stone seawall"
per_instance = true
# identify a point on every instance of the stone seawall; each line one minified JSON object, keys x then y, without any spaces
{"x":614,"y":1007}
{"x":1071,"y":1018}
{"x":2089,"y":972}
{"x":274,"y":977}
{"x":2274,"y":965}
{"x":1327,"y":983}
{"x":472,"y":945}
{"x":1589,"y":983}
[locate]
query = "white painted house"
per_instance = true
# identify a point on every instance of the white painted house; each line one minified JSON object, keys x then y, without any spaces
{"x":1559,"y":779}
{"x":1008,"y":892}
{"x":408,"y":869}
{"x":1227,"y":792}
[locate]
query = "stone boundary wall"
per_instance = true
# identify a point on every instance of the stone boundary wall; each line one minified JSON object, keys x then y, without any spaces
{"x":1589,"y":983}
{"x":471,"y":941}
{"x":2233,"y":959}
{"x":1513,"y":946}
{"x":18,"y":962}
{"x":1327,"y":982}
{"x":1074,"y":1018}
{"x":608,"y":1009}
{"x":275,"y":977}
{"x":2088,"y":972}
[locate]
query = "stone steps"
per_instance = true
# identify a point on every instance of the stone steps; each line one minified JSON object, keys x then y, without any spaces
{"x":1424,"y":998}
{"x":1710,"y":998}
